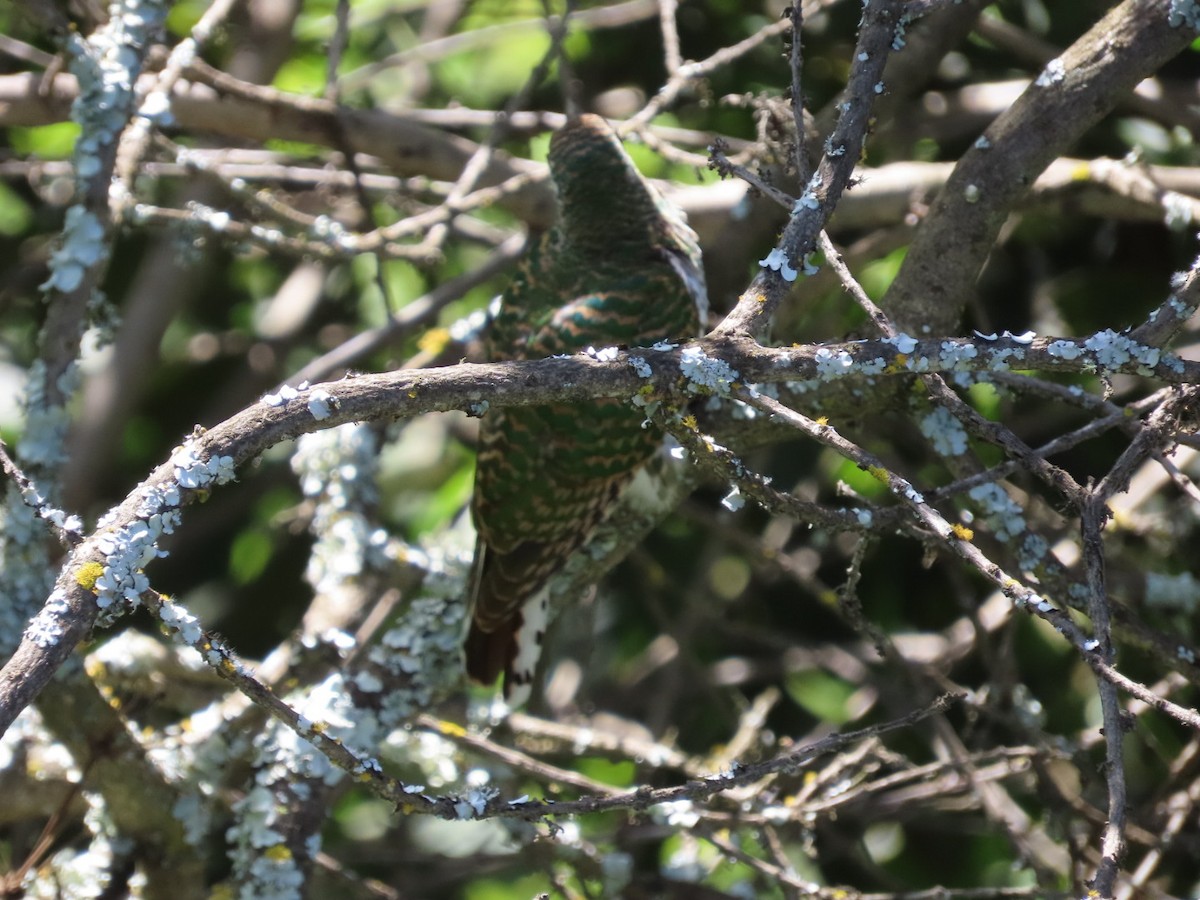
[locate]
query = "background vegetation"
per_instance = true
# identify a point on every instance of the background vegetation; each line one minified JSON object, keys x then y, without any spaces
{"x":313,"y":188}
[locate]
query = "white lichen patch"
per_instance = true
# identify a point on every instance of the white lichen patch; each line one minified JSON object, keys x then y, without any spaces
{"x":193,"y":472}
{"x":955,"y":353}
{"x":944,"y":432}
{"x":832,"y":365}
{"x":1184,"y":12}
{"x":82,"y":247}
{"x":902,"y":342}
{"x":1112,"y":351}
{"x":46,"y":628}
{"x":706,"y":374}
{"x":1054,"y":73}
{"x":777,"y":261}
{"x":641,"y":366}
{"x":321,"y":404}
{"x":281,"y":397}
{"x":1006,"y":518}
{"x":1177,"y":210}
{"x":1064,"y":349}
{"x":185,"y":627}
{"x":999,"y":361}
{"x":604,"y":354}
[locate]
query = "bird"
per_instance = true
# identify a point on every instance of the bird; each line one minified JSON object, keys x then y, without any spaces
{"x":621,"y":266}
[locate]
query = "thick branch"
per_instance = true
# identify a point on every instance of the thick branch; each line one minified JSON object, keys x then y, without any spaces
{"x":1073,"y":93}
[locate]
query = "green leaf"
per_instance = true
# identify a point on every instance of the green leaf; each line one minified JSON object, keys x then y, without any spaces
{"x":617,"y":773}
{"x":249,"y":555}
{"x":489,"y":75}
{"x":986,"y":399}
{"x":15,"y":214}
{"x":183,"y":16}
{"x":877,"y":276}
{"x":303,"y":75}
{"x":445,"y":502}
{"x":860,"y":482}
{"x":55,"y":141}
{"x":821,"y":694}
{"x":520,"y":889}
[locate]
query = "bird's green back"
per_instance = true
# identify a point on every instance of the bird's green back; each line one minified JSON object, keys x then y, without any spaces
{"x":620,"y":268}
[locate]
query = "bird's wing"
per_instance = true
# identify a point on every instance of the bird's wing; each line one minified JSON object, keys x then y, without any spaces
{"x":546,"y":475}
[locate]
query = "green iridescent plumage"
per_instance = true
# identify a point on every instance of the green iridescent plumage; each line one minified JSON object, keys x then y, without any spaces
{"x":621,"y":267}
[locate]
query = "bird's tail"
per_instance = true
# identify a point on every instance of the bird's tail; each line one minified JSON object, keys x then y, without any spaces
{"x":491,"y":652}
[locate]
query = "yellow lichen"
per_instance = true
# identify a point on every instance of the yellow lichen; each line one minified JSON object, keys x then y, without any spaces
{"x":434,"y":340}
{"x":278,"y":853}
{"x":88,"y":574}
{"x":451,"y":729}
{"x":962,"y":532}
